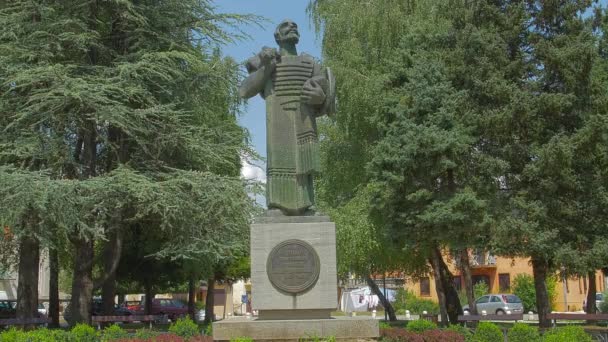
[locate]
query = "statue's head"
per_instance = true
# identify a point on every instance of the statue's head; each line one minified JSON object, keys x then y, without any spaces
{"x":287,"y":32}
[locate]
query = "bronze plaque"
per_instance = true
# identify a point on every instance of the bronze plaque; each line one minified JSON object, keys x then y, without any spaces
{"x":293,"y":266}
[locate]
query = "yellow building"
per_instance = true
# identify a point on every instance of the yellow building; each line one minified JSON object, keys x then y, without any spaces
{"x":499,"y":272}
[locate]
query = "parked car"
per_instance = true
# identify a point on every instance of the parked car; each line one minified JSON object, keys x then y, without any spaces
{"x":599,"y":298}
{"x":8,"y":310}
{"x":498,"y":304}
{"x":134,"y":306}
{"x":173,"y":308}
{"x":42,"y":309}
{"x":97,"y":310}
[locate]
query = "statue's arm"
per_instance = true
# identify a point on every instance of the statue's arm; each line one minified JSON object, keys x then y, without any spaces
{"x":258,"y":75}
{"x":260,"y":68}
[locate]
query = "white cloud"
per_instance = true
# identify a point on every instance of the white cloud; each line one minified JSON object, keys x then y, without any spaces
{"x":252,"y":172}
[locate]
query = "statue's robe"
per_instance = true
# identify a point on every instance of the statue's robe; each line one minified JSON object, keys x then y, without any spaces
{"x":292,"y":143}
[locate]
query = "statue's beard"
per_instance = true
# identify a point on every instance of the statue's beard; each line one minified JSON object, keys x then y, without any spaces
{"x":291,"y":38}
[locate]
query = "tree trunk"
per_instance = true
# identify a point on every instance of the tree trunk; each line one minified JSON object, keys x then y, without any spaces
{"x":27,"y":288}
{"x":591,"y":307}
{"x":82,"y":282}
{"x":451,"y":295}
{"x":111,"y":256}
{"x":439,"y":288}
{"x":148,"y":297}
{"x":191,"y":298}
{"x":388,"y":307}
{"x":465,"y":269}
{"x":449,"y":304}
{"x":54,"y":288}
{"x":209,"y":303}
{"x":543,"y":303}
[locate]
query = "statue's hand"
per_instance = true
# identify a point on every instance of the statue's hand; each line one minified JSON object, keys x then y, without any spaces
{"x":268,"y":56}
{"x":312,"y":93}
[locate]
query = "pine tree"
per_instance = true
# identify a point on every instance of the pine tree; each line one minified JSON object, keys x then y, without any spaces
{"x":118,"y":112}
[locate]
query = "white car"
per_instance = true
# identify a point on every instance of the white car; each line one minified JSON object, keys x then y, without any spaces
{"x":42,"y":309}
{"x":497,"y":304}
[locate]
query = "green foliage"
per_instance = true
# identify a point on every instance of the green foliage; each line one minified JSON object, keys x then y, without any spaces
{"x":384,"y":325}
{"x":119,"y":115}
{"x":478,"y":123}
{"x":567,"y":334}
{"x":84,"y":333}
{"x":420,"y":325}
{"x":145,"y":333}
{"x":460,"y":330}
{"x":208,"y":330}
{"x":487,"y":332}
{"x":521,"y":332}
{"x":184,"y":327}
{"x":604,"y":304}
{"x":113,"y":332}
{"x":48,"y":335}
{"x":407,"y":300}
{"x":241,"y":339}
{"x":523,"y":287}
{"x":479,"y":289}
{"x":38,"y":335}
{"x":12,"y":335}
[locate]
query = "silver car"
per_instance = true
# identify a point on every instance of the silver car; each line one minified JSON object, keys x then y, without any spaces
{"x":498,"y":304}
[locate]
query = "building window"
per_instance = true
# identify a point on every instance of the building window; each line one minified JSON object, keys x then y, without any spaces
{"x":458,"y":283}
{"x":504,"y":282}
{"x":425,"y":286}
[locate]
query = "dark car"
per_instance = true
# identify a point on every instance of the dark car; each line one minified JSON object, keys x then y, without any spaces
{"x":97,"y":310}
{"x":173,"y":308}
{"x":118,"y":310}
{"x":8,"y":309}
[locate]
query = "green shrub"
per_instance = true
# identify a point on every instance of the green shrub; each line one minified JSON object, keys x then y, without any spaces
{"x":479,"y":290}
{"x":184,"y":327}
{"x":208,"y":330}
{"x":46,"y":335}
{"x":113,"y":332}
{"x":604,"y":304}
{"x":384,"y":325}
{"x":84,"y":333}
{"x":487,"y":332}
{"x":523,"y":333}
{"x":241,"y":339}
{"x":420,"y":325}
{"x":145,"y":334}
{"x":567,"y":334}
{"x":523,"y":287}
{"x":407,"y":300}
{"x":460,"y":330}
{"x":13,"y":335}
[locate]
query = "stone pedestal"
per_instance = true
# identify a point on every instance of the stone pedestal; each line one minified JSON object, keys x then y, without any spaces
{"x":316,"y":298}
{"x":294,"y":284}
{"x":342,"y":328}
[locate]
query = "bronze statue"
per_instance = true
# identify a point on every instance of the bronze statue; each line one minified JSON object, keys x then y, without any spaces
{"x":297,"y":90}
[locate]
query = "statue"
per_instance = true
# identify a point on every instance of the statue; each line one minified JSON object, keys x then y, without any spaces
{"x":297,"y":90}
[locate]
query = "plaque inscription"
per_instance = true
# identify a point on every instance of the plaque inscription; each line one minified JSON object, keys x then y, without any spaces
{"x":293,"y":266}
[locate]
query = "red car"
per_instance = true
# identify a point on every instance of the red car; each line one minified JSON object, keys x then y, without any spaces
{"x":173,"y":308}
